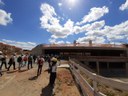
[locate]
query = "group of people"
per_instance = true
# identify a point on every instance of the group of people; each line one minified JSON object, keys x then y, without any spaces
{"x":22,"y":61}
{"x":28,"y":60}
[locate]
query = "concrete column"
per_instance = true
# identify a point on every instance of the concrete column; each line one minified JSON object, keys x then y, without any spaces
{"x":108,"y":66}
{"x":87,"y":63}
{"x":127,"y":69}
{"x":97,"y":67}
{"x":43,"y":52}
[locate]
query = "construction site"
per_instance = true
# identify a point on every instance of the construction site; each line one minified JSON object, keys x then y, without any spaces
{"x":84,"y":70}
{"x":104,"y":59}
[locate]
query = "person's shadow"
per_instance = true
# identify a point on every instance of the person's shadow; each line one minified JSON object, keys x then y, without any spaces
{"x":47,"y":91}
{"x":33,"y":78}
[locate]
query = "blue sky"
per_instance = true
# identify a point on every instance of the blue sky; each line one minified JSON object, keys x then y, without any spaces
{"x":27,"y":23}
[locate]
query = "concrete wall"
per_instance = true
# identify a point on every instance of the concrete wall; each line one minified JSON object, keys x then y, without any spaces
{"x":37,"y":50}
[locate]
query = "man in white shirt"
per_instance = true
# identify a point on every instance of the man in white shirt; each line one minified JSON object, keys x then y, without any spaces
{"x":53,"y":71}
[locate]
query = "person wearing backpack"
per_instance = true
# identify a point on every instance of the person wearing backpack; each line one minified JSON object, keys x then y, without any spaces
{"x":19,"y":60}
{"x":30,"y":61}
{"x":25,"y":59}
{"x":40,"y":63}
{"x":3,"y":62}
{"x":11,"y":62}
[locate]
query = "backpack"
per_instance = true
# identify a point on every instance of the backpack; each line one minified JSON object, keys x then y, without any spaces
{"x":29,"y":58}
{"x":25,"y":58}
{"x":19,"y":59}
{"x":40,"y":61}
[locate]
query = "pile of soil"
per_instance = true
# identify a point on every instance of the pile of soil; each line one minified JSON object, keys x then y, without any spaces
{"x":65,"y":84}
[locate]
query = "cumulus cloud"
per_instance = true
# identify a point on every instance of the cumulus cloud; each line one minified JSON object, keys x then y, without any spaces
{"x":24,"y":45}
{"x":54,"y":41}
{"x":95,"y":39}
{"x":89,"y":27}
{"x":5,"y":17}
{"x":94,"y":14}
{"x":124,"y":6}
{"x":94,"y":30}
{"x":50,"y":21}
{"x":117,"y":33}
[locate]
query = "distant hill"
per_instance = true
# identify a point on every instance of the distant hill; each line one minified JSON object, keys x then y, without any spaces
{"x":9,"y":49}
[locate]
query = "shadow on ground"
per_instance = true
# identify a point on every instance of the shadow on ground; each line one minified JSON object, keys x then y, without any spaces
{"x":23,"y":70}
{"x":47,"y":91}
{"x":13,"y":71}
{"x":33,"y":78}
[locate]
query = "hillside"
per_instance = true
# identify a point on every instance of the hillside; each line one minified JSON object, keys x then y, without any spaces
{"x":9,"y":49}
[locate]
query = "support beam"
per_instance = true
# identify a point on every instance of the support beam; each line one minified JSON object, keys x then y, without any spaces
{"x":97,"y":67}
{"x":127,"y":69}
{"x":107,"y":66}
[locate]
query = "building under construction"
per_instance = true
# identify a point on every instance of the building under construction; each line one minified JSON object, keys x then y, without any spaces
{"x":104,"y":59}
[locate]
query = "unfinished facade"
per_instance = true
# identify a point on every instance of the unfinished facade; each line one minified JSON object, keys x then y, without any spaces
{"x":103,"y":58}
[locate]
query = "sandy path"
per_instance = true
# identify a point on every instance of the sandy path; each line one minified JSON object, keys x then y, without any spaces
{"x":25,"y":83}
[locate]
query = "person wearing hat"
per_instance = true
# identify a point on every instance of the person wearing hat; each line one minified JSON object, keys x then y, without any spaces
{"x":53,"y":71}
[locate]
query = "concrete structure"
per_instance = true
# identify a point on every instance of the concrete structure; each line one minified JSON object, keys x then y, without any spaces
{"x":103,"y":58}
{"x":38,"y":50}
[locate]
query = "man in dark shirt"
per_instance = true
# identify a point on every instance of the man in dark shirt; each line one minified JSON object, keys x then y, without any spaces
{"x":3,"y":60}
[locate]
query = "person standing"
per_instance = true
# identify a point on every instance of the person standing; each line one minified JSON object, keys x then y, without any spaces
{"x":11,"y":62}
{"x":34,"y":58}
{"x":19,"y":60}
{"x":40,"y":63}
{"x":30,"y":61}
{"x":53,"y":71}
{"x":25,"y":59}
{"x":49,"y":61}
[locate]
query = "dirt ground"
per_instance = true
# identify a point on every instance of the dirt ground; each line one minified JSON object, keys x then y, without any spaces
{"x":26,"y":83}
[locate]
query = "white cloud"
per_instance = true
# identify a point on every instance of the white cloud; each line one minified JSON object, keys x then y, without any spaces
{"x":97,"y":31}
{"x":94,"y":14}
{"x":95,"y":39}
{"x":54,"y":41}
{"x":96,"y":25}
{"x":24,"y":45}
{"x":124,"y":6}
{"x":117,"y":33}
{"x":89,"y":27}
{"x":59,"y":4}
{"x":1,"y":2}
{"x":50,"y":21}
{"x":5,"y":17}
